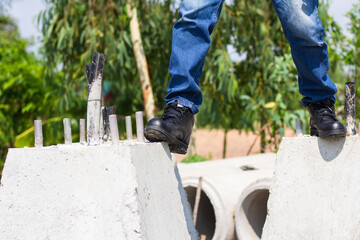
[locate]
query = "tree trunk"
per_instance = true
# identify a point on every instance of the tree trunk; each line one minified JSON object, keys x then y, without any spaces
{"x":262,"y":135}
{"x":225,"y":143}
{"x":141,"y":62}
{"x":192,"y":146}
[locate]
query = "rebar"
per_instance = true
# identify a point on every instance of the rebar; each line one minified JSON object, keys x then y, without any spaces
{"x":38,"y":133}
{"x":106,"y":113}
{"x":129,"y":134}
{"x":82,"y":131}
{"x":102,"y":131}
{"x":140,"y":126}
{"x":114,"y":128}
{"x":67,"y":131}
{"x":350,"y":108}
{"x":299,"y":128}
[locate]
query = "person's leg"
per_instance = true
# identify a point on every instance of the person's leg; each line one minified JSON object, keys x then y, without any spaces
{"x":191,"y":43}
{"x":304,"y":31}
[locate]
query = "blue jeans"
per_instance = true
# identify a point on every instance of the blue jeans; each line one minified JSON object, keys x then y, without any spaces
{"x":191,"y":42}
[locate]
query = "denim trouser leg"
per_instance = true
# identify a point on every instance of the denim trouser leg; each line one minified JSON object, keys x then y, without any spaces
{"x":190,"y":44}
{"x":304,"y":31}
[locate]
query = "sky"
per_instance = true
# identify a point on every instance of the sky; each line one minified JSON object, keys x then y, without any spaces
{"x":25,"y":12}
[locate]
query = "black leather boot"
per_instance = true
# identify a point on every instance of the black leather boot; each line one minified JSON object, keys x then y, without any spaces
{"x":323,"y":121}
{"x":174,"y":127}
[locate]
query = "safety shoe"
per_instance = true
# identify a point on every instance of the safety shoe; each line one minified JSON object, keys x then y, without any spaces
{"x":174,"y":127}
{"x":323,"y":121}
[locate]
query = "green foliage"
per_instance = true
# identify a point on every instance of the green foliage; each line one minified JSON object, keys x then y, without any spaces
{"x":351,"y":55}
{"x":74,"y":30}
{"x":24,"y":96}
{"x":21,"y":88}
{"x":194,"y":158}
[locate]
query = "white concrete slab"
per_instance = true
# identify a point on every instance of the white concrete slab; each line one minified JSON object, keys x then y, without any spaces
{"x":316,"y":190}
{"x":126,"y":191}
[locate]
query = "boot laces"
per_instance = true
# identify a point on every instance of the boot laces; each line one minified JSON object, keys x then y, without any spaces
{"x":323,"y":111}
{"x":174,"y":113}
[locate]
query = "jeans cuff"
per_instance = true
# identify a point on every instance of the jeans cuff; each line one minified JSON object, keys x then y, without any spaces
{"x":185,"y":103}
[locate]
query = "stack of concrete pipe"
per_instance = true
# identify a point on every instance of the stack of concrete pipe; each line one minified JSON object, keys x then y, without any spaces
{"x":234,"y":194}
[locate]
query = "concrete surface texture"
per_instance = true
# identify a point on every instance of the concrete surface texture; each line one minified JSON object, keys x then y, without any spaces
{"x":125,"y":191}
{"x":223,"y":182}
{"x":315,"y":192}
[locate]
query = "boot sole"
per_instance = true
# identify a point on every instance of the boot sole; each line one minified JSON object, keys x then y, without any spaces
{"x":154,"y":134}
{"x":333,"y":133}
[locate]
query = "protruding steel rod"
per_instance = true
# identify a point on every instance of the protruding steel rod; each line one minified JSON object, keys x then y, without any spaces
{"x":106,"y":124}
{"x":350,"y":108}
{"x":67,"y":131}
{"x":94,"y":75}
{"x":197,"y":200}
{"x":114,"y":128}
{"x":128,"y":128}
{"x":140,"y":126}
{"x":82,"y":131}
{"x":299,"y":128}
{"x":38,"y":133}
{"x":102,"y":130}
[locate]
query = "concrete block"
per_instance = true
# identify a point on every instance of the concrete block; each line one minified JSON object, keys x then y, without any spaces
{"x":130,"y":190}
{"x":315,"y":192}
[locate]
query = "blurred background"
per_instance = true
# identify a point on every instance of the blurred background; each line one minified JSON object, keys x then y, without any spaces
{"x":249,"y":81}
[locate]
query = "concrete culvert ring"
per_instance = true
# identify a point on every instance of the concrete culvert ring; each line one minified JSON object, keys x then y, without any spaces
{"x":211,"y":217}
{"x":251,"y":210}
{"x":205,"y":224}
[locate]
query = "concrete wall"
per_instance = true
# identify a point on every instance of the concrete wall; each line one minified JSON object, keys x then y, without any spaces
{"x":126,"y":191}
{"x":316,"y":190}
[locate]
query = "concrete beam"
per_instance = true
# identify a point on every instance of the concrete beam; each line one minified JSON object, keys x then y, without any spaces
{"x":131,"y":190}
{"x":315,"y":192}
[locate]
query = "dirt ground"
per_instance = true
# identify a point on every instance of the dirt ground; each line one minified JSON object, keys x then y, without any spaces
{"x":209,"y":143}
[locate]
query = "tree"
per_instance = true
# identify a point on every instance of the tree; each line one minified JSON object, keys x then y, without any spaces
{"x":350,"y":51}
{"x":21,"y":87}
{"x":141,"y":62}
{"x":74,"y":30}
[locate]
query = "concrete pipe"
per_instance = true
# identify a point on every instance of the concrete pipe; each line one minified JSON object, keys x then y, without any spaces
{"x":222,"y":184}
{"x":251,"y":210}
{"x":223,"y":181}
